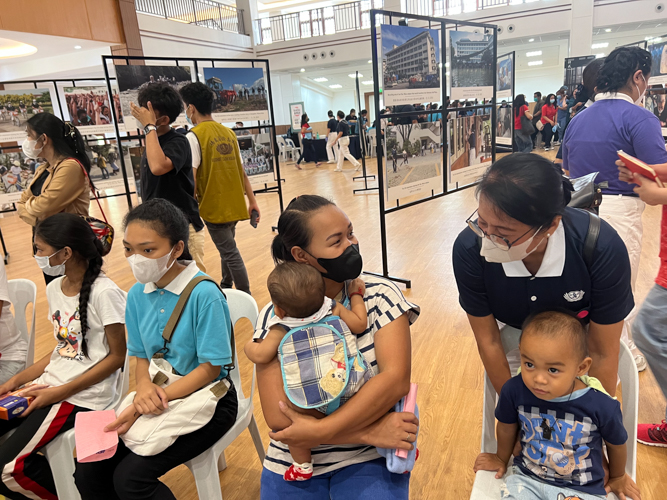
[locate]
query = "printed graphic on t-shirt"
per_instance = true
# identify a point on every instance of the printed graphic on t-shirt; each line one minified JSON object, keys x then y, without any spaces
{"x":556,"y":448}
{"x":68,"y":332}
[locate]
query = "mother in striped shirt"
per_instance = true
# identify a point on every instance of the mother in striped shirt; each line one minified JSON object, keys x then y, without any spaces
{"x":315,"y":232}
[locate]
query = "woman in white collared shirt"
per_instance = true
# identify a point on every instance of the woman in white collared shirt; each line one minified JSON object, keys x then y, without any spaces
{"x":615,"y":122}
{"x":530,"y":259}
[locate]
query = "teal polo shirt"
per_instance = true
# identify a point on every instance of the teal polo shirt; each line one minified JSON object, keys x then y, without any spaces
{"x":202,"y":334}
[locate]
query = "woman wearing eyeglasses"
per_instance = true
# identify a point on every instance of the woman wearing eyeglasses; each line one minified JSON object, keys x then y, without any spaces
{"x":523,"y":253}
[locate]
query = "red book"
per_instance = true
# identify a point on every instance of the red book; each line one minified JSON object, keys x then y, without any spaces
{"x":637,"y":166}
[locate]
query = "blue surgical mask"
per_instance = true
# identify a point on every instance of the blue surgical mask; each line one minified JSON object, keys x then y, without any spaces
{"x":553,"y":101}
{"x":535,"y":99}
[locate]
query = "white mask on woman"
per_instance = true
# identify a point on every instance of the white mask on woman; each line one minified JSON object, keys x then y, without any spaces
{"x":30,"y":150}
{"x":147,"y":270}
{"x":515,"y":253}
{"x":44,"y":264}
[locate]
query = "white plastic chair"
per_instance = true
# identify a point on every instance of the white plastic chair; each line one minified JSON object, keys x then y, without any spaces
{"x":22,"y":293}
{"x":371,"y":134}
{"x":292,"y":148}
{"x":284,"y":149}
{"x":487,"y":487}
{"x":60,"y":451}
{"x":206,"y":466}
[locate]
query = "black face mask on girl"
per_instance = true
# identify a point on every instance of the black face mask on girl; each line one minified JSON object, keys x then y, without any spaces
{"x":347,"y":266}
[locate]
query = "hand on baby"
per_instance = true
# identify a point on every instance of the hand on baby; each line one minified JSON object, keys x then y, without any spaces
{"x":356,"y":285}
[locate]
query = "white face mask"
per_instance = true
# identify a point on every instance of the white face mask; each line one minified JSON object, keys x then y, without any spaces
{"x":641,"y":94}
{"x":147,"y":270}
{"x":46,"y":267}
{"x":29,"y":149}
{"x":515,"y":253}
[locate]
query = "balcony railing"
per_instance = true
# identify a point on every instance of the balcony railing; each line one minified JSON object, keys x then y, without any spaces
{"x":205,"y":13}
{"x":316,"y":22}
{"x":440,"y":8}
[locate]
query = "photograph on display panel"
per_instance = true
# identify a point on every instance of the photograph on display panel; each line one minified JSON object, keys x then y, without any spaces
{"x":89,"y":109}
{"x":471,"y":65}
{"x":471,"y":150}
{"x":410,"y":65}
{"x":413,"y":159}
{"x":504,"y":76}
{"x":131,"y":79}
{"x":504,"y":125}
{"x":16,"y":172}
{"x":257,"y":158}
{"x":105,"y":167}
{"x":574,"y":71}
{"x":655,"y":101}
{"x":240,"y":94}
{"x":17,"y":106}
{"x":659,"y":64}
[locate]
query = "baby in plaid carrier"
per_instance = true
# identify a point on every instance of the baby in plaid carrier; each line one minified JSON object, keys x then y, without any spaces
{"x":313,"y":338}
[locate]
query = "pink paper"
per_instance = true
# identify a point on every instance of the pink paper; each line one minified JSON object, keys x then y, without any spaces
{"x":408,"y":406}
{"x":92,"y":443}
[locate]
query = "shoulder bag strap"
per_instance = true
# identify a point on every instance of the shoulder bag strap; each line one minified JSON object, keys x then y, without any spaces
{"x":591,"y":239}
{"x":92,"y":188}
{"x":176,"y":314}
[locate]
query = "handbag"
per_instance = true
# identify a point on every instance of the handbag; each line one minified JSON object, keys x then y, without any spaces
{"x":152,"y":434}
{"x":587,"y":194}
{"x":526,"y":125}
{"x":104,"y":231}
{"x":539,"y":125}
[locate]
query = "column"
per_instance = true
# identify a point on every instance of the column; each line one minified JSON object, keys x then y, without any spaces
{"x":132,"y":45}
{"x":581,"y":28}
{"x":250,"y":16}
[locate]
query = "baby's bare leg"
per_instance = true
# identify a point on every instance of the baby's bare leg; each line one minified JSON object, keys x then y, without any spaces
{"x":300,"y":455}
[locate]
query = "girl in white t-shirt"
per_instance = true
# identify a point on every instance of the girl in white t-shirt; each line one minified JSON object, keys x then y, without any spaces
{"x":13,"y":348}
{"x":88,"y":314}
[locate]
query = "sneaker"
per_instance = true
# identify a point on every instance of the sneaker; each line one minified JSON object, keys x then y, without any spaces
{"x":295,"y":473}
{"x":338,"y":170}
{"x":653,"y":434}
{"x":331,"y":161}
{"x":640,"y":360}
{"x":357,"y":168}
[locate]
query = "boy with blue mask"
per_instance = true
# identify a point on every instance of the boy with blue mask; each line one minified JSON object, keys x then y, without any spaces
{"x":562,"y":417}
{"x":221,"y":182}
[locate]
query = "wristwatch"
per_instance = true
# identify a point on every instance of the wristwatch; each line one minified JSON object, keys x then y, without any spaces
{"x":149,"y":128}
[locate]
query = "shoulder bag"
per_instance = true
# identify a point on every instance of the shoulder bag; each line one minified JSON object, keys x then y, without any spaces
{"x":152,"y":434}
{"x":526,"y":125}
{"x":587,"y":194}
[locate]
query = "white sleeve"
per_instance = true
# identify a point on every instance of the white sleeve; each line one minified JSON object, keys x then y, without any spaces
{"x":110,"y":304}
{"x":195,"y":148}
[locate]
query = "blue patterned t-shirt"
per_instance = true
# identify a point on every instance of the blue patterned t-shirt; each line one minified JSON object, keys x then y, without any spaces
{"x":562,"y":441}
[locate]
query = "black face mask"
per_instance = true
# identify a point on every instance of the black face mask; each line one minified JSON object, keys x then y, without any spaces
{"x":346,"y":266}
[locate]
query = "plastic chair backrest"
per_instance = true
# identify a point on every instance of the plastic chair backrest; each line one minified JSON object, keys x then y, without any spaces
{"x":290,"y":143}
{"x":241,"y":305}
{"x":22,"y":293}
{"x":281,"y":141}
{"x":371,"y":133}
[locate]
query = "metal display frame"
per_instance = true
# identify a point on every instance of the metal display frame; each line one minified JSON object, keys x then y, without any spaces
{"x":510,"y":104}
{"x":362,"y":143}
{"x":195,"y":60}
{"x":445,"y":25}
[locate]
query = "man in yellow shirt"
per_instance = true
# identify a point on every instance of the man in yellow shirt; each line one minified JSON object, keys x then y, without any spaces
{"x":221,"y":184}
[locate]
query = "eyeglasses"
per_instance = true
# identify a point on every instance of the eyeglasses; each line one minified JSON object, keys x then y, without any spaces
{"x":499,"y":241}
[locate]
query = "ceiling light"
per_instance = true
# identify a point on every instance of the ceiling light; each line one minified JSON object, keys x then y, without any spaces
{"x":446,"y":65}
{"x":608,"y":30}
{"x":534,"y":53}
{"x":440,"y":65}
{"x":335,"y":86}
{"x":303,"y":70}
{"x":353,"y":75}
{"x":320,"y":79}
{"x":370,"y":61}
{"x":531,"y":40}
{"x":12,"y":48}
{"x":447,"y":74}
{"x":534,"y":63}
{"x":599,"y":56}
{"x":367,"y":82}
{"x":77,"y":47}
{"x":600,"y":45}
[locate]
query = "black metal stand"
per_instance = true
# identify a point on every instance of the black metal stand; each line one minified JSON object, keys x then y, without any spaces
{"x":443,"y":23}
{"x":362,"y":140}
{"x":195,"y":61}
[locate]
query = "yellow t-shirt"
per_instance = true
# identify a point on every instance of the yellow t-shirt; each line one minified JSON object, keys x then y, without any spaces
{"x":220,"y":180}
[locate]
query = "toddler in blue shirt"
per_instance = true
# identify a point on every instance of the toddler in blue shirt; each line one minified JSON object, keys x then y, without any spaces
{"x":562,"y":417}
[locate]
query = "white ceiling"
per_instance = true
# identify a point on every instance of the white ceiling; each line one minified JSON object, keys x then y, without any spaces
{"x":338,"y":74}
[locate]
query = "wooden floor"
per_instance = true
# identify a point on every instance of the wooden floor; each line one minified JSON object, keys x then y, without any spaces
{"x":445,"y":360}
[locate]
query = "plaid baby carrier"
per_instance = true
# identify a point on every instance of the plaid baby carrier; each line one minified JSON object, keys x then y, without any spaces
{"x":321,"y":365}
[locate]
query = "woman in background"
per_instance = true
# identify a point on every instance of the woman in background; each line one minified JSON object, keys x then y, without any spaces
{"x":549,"y":112}
{"x":524,"y":143}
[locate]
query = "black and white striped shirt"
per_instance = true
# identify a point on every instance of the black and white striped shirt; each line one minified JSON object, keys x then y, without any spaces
{"x":384,"y":302}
